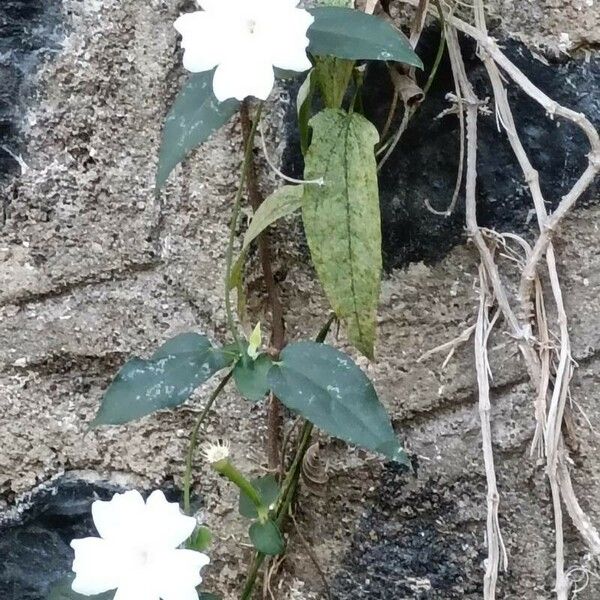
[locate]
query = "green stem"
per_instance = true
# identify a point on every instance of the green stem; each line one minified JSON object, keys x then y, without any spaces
{"x":288,"y":489}
{"x":284,"y":502}
{"x":227,"y":469}
{"x":233,"y":225}
{"x":187,"y":479}
{"x":291,"y":481}
{"x":257,"y":562}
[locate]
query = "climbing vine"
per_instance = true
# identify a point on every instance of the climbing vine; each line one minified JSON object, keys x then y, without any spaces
{"x":234,"y":51}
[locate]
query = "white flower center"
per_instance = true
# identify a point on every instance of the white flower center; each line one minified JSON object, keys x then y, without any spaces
{"x":141,"y":558}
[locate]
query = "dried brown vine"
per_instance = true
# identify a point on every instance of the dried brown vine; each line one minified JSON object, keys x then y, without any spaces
{"x":550,"y":367}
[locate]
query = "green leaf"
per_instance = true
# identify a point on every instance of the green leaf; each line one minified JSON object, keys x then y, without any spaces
{"x":333,"y":76}
{"x":251,"y":377}
{"x":194,"y":116}
{"x":266,"y":537}
{"x":268,"y":489}
{"x":352,"y":34}
{"x":62,"y":591}
{"x":285,"y":73}
{"x":166,"y":380}
{"x":303,"y":107}
{"x":326,"y":387}
{"x":254,"y":342}
{"x":279,"y":204}
{"x":342,"y":219}
{"x":201,"y":539}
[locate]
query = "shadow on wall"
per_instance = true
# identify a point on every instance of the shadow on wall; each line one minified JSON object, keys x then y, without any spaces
{"x":425,"y":163}
{"x":30,"y":32}
{"x":418,"y":545}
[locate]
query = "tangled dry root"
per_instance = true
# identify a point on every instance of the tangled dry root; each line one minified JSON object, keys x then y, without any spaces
{"x":550,"y":365}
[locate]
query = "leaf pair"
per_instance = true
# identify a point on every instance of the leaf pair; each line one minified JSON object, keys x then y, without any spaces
{"x":315,"y":380}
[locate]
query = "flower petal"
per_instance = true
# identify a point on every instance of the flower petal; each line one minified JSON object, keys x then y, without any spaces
{"x":204,"y":39}
{"x":96,"y":566}
{"x":166,"y":526}
{"x":121,"y":518}
{"x":292,"y":59}
{"x":288,"y":41}
{"x":242,"y":78}
{"x":180,"y":593}
{"x":137,"y":587}
{"x":177,"y":573}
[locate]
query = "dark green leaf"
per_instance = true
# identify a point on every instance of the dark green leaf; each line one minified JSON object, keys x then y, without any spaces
{"x":266,"y":537}
{"x":166,"y":380}
{"x":62,"y":591}
{"x":200,"y":540}
{"x":251,"y":377}
{"x":268,"y":489}
{"x":326,"y":387}
{"x":342,"y":219}
{"x":355,"y":35}
{"x":195,"y":114}
{"x":285,"y":74}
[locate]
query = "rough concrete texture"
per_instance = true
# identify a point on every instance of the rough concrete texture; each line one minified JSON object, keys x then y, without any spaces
{"x":93,"y":269}
{"x":558,"y":27}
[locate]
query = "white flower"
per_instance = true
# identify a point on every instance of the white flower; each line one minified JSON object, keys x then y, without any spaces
{"x":245,"y":39}
{"x":137,"y":552}
{"x":216,"y":452}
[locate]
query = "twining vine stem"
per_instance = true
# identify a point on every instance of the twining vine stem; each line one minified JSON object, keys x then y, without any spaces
{"x":274,"y":418}
{"x":290,"y":483}
{"x":187,"y":479}
{"x":246,"y":170}
{"x":237,"y":205}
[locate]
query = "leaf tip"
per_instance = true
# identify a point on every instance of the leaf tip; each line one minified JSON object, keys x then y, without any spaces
{"x":364,"y":346}
{"x":417,"y":62}
{"x":401,"y":457}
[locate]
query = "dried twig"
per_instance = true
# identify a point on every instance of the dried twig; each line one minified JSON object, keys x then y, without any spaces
{"x":494,"y":536}
{"x":538,"y":352}
{"x":452,"y":345}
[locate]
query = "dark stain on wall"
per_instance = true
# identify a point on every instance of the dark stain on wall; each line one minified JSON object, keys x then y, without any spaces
{"x":31,"y":32}
{"x":425,"y":163}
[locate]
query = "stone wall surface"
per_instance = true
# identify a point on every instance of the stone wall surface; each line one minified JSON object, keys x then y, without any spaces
{"x":94,"y":269}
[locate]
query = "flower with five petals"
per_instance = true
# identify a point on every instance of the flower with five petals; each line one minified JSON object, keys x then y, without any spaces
{"x":245,"y":40}
{"x":137,"y":552}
